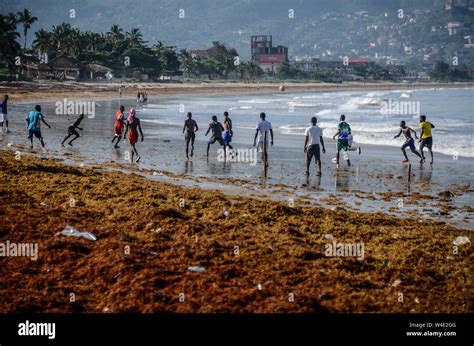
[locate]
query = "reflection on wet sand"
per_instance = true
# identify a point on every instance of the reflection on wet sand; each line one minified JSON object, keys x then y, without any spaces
{"x":342,"y":179}
{"x":188,"y":167}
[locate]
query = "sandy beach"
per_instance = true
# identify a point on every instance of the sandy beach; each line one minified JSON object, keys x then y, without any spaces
{"x":29,"y":91}
{"x":261,"y":243}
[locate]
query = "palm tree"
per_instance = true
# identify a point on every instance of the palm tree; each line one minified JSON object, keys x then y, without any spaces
{"x":116,"y":33}
{"x":72,"y":43}
{"x":11,"y":19}
{"x":135,"y":37}
{"x":43,"y":41}
{"x":9,"y":46}
{"x":59,"y":35}
{"x":27,"y":19}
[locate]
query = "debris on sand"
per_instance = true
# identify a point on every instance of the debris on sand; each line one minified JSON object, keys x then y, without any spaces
{"x":461,"y":240}
{"x":196,"y":269}
{"x":73,"y":232}
{"x":446,"y":195}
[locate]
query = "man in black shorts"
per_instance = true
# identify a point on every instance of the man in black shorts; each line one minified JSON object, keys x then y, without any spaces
{"x":426,"y":139}
{"x":312,"y":143}
{"x":191,"y":127}
{"x":409,"y":141}
{"x":72,"y":131}
{"x":217,"y":129}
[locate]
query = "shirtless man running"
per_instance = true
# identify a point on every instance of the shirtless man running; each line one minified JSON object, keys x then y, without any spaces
{"x":409,"y":141}
{"x":191,"y":127}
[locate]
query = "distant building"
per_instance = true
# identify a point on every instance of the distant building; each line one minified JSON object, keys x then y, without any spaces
{"x":469,"y":42}
{"x":200,"y":54}
{"x":265,"y":55}
{"x":95,"y":72}
{"x":64,"y":67}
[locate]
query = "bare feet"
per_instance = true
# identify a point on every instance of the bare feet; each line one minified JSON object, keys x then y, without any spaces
{"x":405,"y":161}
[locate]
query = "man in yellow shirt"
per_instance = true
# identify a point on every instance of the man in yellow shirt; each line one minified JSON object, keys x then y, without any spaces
{"x":426,"y":140}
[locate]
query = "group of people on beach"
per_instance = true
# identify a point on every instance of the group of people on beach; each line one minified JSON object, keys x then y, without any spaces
{"x":222,"y":133}
{"x":142,"y":98}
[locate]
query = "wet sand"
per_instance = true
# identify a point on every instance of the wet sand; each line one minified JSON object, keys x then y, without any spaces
{"x":258,"y":254}
{"x":377,"y":181}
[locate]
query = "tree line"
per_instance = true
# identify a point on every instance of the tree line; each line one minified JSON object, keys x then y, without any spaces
{"x":125,"y":52}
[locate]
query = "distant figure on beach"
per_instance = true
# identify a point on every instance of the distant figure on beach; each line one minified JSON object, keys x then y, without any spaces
{"x":71,"y":131}
{"x":217,"y":129}
{"x":264,"y":129}
{"x":120,"y":91}
{"x":409,"y":141}
{"x":342,"y":134}
{"x":426,"y":140}
{"x":228,"y":133}
{"x":118,"y":126}
{"x":4,"y":114}
{"x":312,"y":145}
{"x":33,"y":123}
{"x":133,"y":124}
{"x":189,"y":129}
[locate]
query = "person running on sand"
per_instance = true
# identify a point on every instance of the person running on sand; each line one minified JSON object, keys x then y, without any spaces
{"x":217,"y":129}
{"x":118,"y":126}
{"x":263,"y":127}
{"x":133,"y":124}
{"x":72,"y":130}
{"x":312,"y":143}
{"x":191,"y":127}
{"x":33,"y":123}
{"x":426,"y":140}
{"x":409,"y":141}
{"x":4,"y":113}
{"x":228,"y":133}
{"x":342,"y":134}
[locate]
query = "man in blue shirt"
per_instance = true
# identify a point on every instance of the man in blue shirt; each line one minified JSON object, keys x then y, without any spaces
{"x":33,"y":122}
{"x":4,"y":113}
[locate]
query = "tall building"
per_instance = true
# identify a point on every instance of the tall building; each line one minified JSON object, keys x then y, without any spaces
{"x":265,"y":55}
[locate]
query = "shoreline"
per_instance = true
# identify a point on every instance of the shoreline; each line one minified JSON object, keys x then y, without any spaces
{"x":47,"y":91}
{"x":281,"y":250}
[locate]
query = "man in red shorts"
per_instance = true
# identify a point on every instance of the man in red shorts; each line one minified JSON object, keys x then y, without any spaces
{"x":133,"y":124}
{"x":118,"y":126}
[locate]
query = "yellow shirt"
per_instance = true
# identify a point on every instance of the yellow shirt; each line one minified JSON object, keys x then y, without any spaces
{"x":426,"y":127}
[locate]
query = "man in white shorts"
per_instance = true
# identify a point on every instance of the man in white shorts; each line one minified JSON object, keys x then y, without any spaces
{"x":312,"y":143}
{"x":4,"y":113}
{"x":263,"y":127}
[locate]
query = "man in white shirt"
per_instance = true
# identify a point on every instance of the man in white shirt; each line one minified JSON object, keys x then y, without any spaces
{"x":263,"y":127}
{"x":312,"y":143}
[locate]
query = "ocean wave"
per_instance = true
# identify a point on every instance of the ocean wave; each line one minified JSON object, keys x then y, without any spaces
{"x":262,"y":101}
{"x":376,"y":93}
{"x":306,"y":105}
